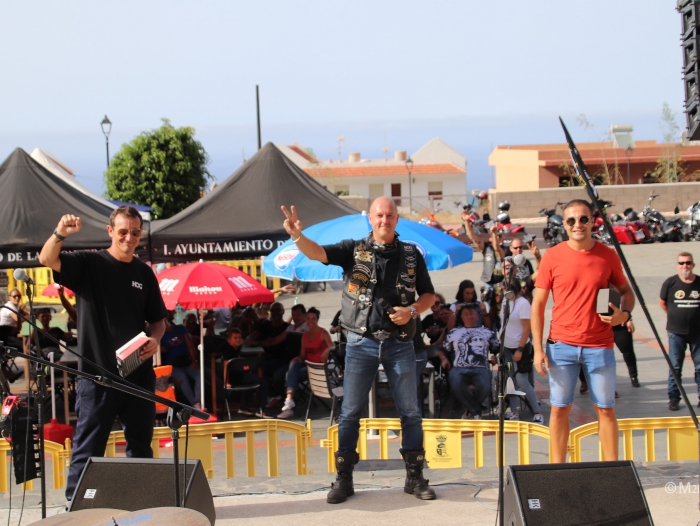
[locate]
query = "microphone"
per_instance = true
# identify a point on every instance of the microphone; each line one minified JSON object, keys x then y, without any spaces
{"x":518,"y":260}
{"x":385,"y":305}
{"x":20,"y":275}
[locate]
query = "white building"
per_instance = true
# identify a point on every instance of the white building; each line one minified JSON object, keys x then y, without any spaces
{"x":437,"y":171}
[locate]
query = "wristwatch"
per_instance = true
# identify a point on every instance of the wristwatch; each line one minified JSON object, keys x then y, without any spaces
{"x":414,"y":312}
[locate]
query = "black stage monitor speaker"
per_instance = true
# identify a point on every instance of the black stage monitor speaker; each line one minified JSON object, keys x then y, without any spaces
{"x":601,"y":493}
{"x":134,"y":484}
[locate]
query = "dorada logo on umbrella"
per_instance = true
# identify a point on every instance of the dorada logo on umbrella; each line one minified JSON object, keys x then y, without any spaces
{"x":241,"y":282}
{"x":284,"y":258}
{"x":168,"y":285}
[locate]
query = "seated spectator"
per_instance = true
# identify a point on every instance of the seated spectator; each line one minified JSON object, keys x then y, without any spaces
{"x":263,"y":310}
{"x":248,"y":322}
{"x":222,"y":317}
{"x":467,"y":294}
{"x":177,"y":350}
{"x":192,"y":325}
{"x":9,"y":318}
{"x":298,"y":319}
{"x":47,"y":345}
{"x":336,"y":328}
{"x":241,"y":378}
{"x":316,"y":344}
{"x":471,"y":346}
{"x":271,"y":335}
{"x":433,"y":324}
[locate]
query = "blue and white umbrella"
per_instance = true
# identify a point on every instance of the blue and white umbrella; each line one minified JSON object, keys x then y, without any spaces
{"x":439,"y":250}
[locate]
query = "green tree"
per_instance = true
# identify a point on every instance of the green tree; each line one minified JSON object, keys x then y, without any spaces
{"x":165,"y":168}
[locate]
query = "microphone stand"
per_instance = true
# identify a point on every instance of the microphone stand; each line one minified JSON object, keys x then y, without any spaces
{"x":585,"y":179}
{"x":39,"y":399}
{"x":178,"y":414}
{"x":501,"y":388}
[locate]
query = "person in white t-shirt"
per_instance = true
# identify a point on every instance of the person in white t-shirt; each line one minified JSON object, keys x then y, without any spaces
{"x":518,"y":349}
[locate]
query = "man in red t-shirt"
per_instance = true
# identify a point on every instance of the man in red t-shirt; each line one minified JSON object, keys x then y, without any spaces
{"x":579,"y":337}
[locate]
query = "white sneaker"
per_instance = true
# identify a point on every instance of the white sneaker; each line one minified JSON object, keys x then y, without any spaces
{"x":288,"y":404}
{"x":476,"y":417}
{"x":286,"y":414}
{"x":539,"y":418}
{"x":466,"y":415}
{"x":512,"y":415}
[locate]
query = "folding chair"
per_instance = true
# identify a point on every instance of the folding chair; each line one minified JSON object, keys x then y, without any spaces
{"x":243,"y":365}
{"x":322,"y":385}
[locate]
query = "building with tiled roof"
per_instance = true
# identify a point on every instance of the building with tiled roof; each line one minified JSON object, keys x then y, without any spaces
{"x":437,"y":175}
{"x":531,"y":167}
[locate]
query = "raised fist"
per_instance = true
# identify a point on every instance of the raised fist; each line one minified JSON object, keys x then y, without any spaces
{"x":69,"y":224}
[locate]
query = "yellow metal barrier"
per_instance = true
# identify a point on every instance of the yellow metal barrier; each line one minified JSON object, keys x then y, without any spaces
{"x":58,"y":457}
{"x":681,"y":438}
{"x":442,"y":439}
{"x":201,"y":446}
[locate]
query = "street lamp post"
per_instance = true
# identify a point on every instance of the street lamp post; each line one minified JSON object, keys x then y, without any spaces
{"x":628,"y":151}
{"x":409,"y":167}
{"x":106,"y":129}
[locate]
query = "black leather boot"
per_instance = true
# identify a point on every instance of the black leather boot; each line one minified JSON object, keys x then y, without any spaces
{"x":343,"y":488}
{"x":415,"y":483}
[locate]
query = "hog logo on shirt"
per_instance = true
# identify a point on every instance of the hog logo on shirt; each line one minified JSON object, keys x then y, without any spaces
{"x":679,"y":295}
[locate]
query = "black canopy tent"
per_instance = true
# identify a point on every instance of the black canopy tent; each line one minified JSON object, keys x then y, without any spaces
{"x":33,"y":201}
{"x":241,"y":218}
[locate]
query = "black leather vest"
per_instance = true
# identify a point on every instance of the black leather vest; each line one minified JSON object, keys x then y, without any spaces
{"x":359,"y":284}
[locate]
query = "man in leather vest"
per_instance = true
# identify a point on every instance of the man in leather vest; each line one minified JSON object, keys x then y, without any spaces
{"x":377,"y":269}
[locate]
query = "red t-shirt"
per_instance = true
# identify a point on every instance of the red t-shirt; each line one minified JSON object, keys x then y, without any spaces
{"x":575,"y":278}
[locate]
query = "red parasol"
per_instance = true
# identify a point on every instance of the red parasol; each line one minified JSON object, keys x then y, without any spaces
{"x":51,"y":291}
{"x":208,"y":286}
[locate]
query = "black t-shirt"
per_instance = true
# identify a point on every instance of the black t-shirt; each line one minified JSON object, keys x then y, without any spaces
{"x":343,"y":255}
{"x":433,"y":321}
{"x":114,"y":301}
{"x":683,"y":302}
{"x":268,"y":331}
{"x":45,"y":342}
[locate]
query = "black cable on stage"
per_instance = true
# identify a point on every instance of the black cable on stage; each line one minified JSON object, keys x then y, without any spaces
{"x":585,"y":179}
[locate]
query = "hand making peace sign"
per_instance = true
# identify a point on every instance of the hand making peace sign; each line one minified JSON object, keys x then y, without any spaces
{"x":292,"y":224}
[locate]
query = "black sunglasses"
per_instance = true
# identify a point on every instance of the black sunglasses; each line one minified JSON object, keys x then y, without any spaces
{"x":15,"y":296}
{"x":688,"y":263}
{"x":584,"y":220}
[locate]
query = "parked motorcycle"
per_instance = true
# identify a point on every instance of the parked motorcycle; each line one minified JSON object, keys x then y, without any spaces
{"x":629,"y":229}
{"x":554,"y":231}
{"x":662,"y":229}
{"x":480,"y":224}
{"x":432,"y":222}
{"x":691,"y":228}
{"x":503,"y":220}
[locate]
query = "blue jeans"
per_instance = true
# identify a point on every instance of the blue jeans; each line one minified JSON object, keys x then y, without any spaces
{"x":421,"y":361}
{"x":479,"y":377}
{"x":362,"y":359}
{"x":565,"y":362}
{"x":297,"y":373}
{"x":186,"y":374}
{"x":676,"y":351}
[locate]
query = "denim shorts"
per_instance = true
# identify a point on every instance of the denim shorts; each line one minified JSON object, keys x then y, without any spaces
{"x":565,"y":362}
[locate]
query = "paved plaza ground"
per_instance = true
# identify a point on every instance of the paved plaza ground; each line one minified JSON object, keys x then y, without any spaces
{"x":291,"y":499}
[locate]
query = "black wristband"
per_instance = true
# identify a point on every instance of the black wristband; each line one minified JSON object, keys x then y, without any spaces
{"x":630,"y":314}
{"x":59,"y":236}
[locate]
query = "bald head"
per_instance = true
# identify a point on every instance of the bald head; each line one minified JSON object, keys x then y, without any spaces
{"x":383,"y":216}
{"x":383,"y":203}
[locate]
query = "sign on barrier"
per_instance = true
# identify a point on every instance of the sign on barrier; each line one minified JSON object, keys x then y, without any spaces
{"x":443,"y":449}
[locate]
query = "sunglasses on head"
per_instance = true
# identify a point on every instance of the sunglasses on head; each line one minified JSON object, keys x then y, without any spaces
{"x":135,"y":232}
{"x":688,"y":263}
{"x":584,"y":220}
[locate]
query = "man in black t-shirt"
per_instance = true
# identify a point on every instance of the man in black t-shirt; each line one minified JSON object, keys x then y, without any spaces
{"x":117,"y":296}
{"x":680,"y":298}
{"x":47,"y":345}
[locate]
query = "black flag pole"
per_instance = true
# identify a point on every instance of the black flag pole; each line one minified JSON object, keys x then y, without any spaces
{"x":585,"y":179}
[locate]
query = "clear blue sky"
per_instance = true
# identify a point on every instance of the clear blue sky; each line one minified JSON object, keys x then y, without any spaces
{"x":474,"y":73}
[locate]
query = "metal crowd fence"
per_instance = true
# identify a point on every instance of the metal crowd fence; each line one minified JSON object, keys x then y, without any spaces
{"x":443,"y":440}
